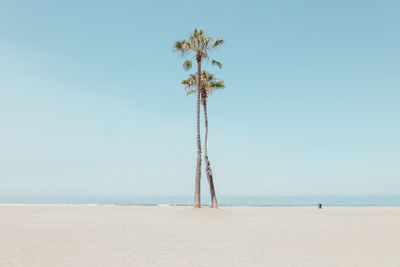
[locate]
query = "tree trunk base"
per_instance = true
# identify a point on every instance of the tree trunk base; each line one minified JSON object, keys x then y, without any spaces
{"x":214,"y":202}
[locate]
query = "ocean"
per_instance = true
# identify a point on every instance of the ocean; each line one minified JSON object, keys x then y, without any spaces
{"x":251,"y":201}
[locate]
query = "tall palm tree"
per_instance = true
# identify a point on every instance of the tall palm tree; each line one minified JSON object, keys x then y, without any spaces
{"x":208,"y":85}
{"x":199,"y":45}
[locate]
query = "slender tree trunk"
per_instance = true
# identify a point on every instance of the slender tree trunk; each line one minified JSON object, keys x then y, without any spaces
{"x":198,"y":166}
{"x":206,"y":161}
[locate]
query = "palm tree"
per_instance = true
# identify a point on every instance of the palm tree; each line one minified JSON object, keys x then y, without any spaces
{"x":208,"y":85}
{"x":200,"y":45}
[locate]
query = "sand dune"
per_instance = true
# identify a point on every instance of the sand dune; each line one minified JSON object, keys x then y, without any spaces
{"x":182,"y":236}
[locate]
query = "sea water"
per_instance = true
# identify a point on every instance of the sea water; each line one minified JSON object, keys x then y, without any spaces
{"x":253,"y":201}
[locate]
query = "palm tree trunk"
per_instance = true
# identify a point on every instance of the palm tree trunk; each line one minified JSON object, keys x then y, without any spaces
{"x":206,"y":161}
{"x":198,"y":166}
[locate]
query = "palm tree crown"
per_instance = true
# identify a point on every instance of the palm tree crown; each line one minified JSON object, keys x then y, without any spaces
{"x":209,"y":84}
{"x":200,"y":45}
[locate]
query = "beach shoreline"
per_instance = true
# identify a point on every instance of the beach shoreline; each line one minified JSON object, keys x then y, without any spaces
{"x":104,"y":235}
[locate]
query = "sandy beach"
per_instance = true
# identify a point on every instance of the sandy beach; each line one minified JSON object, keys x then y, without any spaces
{"x":182,"y":236}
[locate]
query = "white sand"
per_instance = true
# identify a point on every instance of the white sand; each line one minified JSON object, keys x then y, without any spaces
{"x":182,"y":236}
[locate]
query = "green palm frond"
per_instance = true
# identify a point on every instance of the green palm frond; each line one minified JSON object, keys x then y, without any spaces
{"x":218,"y":84}
{"x":182,"y":47}
{"x":192,"y":91}
{"x":218,"y":43}
{"x":219,"y":64}
{"x":187,"y":65}
{"x":190,"y":82}
{"x":178,"y":45}
{"x":204,"y":54}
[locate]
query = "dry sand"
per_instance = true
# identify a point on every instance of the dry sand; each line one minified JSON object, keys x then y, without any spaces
{"x":182,"y":236}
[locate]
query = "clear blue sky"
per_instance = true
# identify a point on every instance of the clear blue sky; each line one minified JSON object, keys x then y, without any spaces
{"x":91,"y":101}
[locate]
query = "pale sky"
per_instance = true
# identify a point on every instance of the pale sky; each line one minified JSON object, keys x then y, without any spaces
{"x":91,"y":101}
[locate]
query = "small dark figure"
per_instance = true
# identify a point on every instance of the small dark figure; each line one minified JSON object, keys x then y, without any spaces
{"x":319,"y":205}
